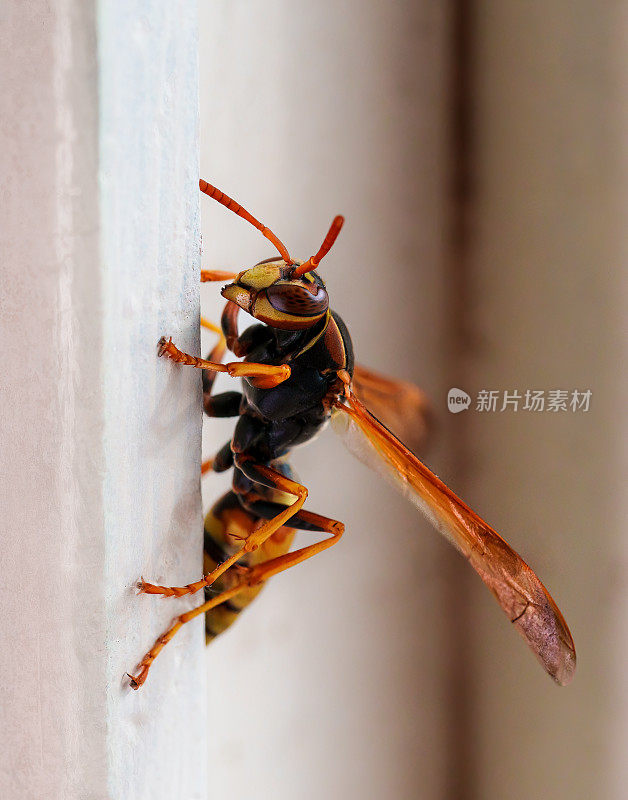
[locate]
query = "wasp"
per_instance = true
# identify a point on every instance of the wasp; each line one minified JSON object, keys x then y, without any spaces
{"x":298,"y":372}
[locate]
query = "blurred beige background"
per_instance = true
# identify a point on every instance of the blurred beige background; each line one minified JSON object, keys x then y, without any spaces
{"x":477,"y":152}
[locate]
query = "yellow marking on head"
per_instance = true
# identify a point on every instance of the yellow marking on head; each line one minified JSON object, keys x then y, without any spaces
{"x":238,"y":295}
{"x":262,"y":276}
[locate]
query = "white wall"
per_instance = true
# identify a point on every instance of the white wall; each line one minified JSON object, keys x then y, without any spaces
{"x":100,"y":439}
{"x":150,"y":251}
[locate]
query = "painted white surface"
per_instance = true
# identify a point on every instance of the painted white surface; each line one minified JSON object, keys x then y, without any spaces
{"x":99,"y":439}
{"x":150,"y":228}
{"x":333,"y":684}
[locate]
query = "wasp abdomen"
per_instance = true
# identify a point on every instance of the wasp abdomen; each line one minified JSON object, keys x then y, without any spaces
{"x":227,"y":525}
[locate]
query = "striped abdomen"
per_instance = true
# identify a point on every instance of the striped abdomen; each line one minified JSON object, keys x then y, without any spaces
{"x":226,"y":525}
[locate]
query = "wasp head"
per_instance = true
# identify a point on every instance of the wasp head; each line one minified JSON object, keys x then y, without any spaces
{"x":275,"y":293}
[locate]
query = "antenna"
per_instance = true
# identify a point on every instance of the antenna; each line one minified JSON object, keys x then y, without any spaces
{"x":228,"y":202}
{"x":328,"y":242}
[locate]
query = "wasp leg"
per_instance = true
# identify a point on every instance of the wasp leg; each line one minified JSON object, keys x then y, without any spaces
{"x":226,"y":404}
{"x":241,"y":344}
{"x":211,"y":326}
{"x":223,"y":460}
{"x":254,"y":575}
{"x":216,"y":355}
{"x":217,"y":275}
{"x":264,"y":530}
{"x":207,"y":465}
{"x":229,"y":325}
{"x":267,"y":375}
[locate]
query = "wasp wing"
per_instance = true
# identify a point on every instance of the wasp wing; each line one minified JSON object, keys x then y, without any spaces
{"x":402,"y":406}
{"x":522,"y":596}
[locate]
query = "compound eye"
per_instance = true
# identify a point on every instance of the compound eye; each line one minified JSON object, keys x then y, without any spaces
{"x":290,"y":298}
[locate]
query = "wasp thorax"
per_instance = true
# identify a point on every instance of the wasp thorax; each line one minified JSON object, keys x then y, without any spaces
{"x":268,"y":293}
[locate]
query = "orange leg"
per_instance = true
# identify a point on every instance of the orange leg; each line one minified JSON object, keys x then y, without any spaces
{"x":216,"y":355}
{"x":268,"y":373}
{"x":263,"y":532}
{"x":254,"y":575}
{"x":218,"y":350}
{"x":217,"y":275}
{"x":205,"y":323}
{"x":229,"y":322}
